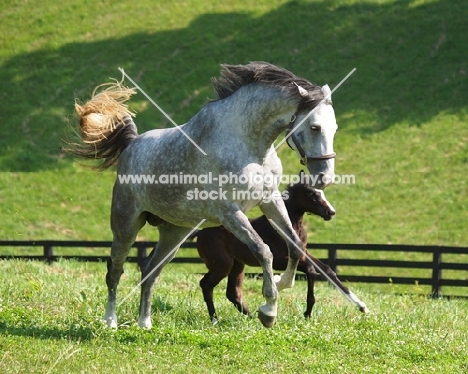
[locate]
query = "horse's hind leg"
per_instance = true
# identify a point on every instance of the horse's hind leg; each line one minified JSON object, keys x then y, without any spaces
{"x":125,"y":229}
{"x":234,"y":288}
{"x":170,"y":238}
{"x":240,"y":226}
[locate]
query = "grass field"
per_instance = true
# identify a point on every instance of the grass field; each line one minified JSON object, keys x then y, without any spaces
{"x":402,"y":114}
{"x":50,"y":323}
{"x":402,"y":132}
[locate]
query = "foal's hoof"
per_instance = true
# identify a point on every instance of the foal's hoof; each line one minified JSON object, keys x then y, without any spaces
{"x":267,"y":321}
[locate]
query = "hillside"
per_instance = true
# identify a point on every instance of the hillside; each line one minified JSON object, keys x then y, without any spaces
{"x":402,"y":115}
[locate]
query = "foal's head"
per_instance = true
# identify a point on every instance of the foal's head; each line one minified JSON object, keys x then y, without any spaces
{"x":306,"y":199}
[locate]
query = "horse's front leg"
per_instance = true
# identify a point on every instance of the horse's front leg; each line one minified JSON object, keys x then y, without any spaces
{"x":276,"y":212}
{"x":239,"y":225}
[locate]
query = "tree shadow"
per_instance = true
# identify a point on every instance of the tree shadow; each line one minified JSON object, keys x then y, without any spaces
{"x":411,"y":66}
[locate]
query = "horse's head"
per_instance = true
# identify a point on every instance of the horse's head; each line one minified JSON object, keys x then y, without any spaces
{"x":313,"y":139}
{"x":304,"y":198}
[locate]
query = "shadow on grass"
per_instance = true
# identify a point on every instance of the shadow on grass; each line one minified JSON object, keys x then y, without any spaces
{"x":76,"y":333}
{"x":410,"y":63}
{"x":123,"y":335}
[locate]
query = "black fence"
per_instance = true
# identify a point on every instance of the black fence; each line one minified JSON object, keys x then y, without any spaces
{"x":436,"y":265}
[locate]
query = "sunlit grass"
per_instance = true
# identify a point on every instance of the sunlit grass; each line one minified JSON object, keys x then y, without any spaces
{"x":401,"y":115}
{"x":402,"y":133}
{"x":50,"y":319}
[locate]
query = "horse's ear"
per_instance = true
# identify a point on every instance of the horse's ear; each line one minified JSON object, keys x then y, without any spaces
{"x":327,"y":92}
{"x":302,"y":91}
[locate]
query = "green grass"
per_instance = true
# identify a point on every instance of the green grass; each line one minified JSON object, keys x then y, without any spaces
{"x":50,"y":323}
{"x":402,"y":132}
{"x":402,"y":114}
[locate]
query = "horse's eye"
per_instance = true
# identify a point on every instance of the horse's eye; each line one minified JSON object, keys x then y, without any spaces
{"x":315,"y":128}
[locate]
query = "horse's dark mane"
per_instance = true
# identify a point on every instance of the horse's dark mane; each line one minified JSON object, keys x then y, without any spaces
{"x":233,"y":77}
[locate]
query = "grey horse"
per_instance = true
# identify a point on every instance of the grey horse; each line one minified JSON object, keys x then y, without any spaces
{"x":209,"y":171}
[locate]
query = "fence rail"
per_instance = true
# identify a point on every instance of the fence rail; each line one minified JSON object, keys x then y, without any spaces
{"x":437,"y":265}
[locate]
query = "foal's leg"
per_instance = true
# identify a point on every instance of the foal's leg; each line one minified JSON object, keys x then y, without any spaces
{"x":239,"y":225}
{"x":170,"y":237}
{"x":217,"y":272}
{"x":305,"y":266}
{"x":309,"y":270}
{"x":276,"y":212}
{"x":125,"y":228}
{"x":332,"y":275}
{"x":234,"y":287}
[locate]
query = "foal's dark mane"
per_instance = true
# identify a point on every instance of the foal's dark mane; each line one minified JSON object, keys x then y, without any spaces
{"x":233,"y":77}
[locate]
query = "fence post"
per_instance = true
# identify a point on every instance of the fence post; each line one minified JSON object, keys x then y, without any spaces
{"x":332,"y":257}
{"x":141,"y":253}
{"x":436,"y":272}
{"x":48,"y":253}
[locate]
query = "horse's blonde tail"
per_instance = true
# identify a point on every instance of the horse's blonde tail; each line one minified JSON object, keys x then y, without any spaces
{"x":106,"y":125}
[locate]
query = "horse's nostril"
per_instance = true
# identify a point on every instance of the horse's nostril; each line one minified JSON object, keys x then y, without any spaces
{"x":331,"y":212}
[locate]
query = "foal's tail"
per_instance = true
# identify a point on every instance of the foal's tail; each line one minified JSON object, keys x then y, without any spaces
{"x":106,"y":125}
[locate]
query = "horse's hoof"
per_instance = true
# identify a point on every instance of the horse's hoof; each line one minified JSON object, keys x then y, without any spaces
{"x":267,"y":321}
{"x":364,"y":309}
{"x":283,"y":283}
{"x":110,"y":322}
{"x":214,"y":321}
{"x":145,"y":324}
